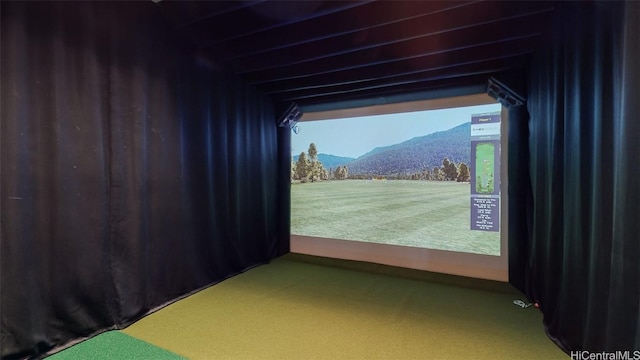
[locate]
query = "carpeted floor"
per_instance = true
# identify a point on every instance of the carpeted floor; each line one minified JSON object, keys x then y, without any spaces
{"x":303,"y":307}
{"x":114,"y":345}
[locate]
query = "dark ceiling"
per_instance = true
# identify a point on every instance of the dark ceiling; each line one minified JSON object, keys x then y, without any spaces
{"x":315,"y":52}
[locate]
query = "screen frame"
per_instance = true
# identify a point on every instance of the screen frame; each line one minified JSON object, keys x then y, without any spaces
{"x":448,"y":262}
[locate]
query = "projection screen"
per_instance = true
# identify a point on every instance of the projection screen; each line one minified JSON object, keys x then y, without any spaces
{"x":420,"y":185}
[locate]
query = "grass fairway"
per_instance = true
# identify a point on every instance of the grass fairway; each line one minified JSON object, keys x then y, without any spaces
{"x":426,"y":214}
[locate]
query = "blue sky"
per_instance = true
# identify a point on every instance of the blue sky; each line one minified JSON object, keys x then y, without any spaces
{"x":353,"y":137}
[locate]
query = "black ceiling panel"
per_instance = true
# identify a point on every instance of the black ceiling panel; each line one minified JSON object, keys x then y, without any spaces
{"x":312,"y":52}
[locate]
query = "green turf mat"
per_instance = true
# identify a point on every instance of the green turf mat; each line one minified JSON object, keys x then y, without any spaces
{"x":114,"y":345}
{"x":294,"y":308}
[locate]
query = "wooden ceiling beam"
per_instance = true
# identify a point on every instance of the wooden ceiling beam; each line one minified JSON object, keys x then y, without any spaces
{"x":349,"y":21}
{"x":263,"y":17}
{"x":483,"y":67}
{"x":472,"y":18}
{"x":441,"y":85}
{"x":402,"y":67}
{"x":405,"y":51}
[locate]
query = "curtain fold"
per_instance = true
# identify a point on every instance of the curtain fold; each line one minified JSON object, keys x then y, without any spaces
{"x":519,"y":191}
{"x":134,"y":172}
{"x":584,"y":167}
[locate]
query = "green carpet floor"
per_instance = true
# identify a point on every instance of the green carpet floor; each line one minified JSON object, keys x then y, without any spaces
{"x":303,"y":307}
{"x":114,"y":345}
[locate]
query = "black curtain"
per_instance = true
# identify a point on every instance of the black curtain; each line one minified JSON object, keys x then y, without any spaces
{"x":134,"y":172}
{"x":520,"y":197}
{"x":580,"y":235}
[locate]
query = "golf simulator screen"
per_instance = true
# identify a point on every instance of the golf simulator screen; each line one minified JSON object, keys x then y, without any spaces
{"x":422,"y":182}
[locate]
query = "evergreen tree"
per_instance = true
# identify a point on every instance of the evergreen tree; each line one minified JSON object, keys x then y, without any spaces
{"x":463,"y":173}
{"x":316,"y":170}
{"x":436,"y":174}
{"x":293,"y":170}
{"x":341,"y":172}
{"x":302,"y":166}
{"x":313,"y":152}
{"x":450,"y":172}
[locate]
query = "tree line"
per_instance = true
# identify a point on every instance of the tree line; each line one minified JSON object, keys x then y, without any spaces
{"x":309,"y":168}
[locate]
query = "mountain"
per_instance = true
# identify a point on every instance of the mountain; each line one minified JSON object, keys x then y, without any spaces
{"x":423,"y":152}
{"x":411,"y":156}
{"x":330,"y":161}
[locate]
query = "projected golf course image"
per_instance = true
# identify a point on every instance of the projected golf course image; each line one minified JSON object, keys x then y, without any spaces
{"x":401,"y":179}
{"x":425,"y":214}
